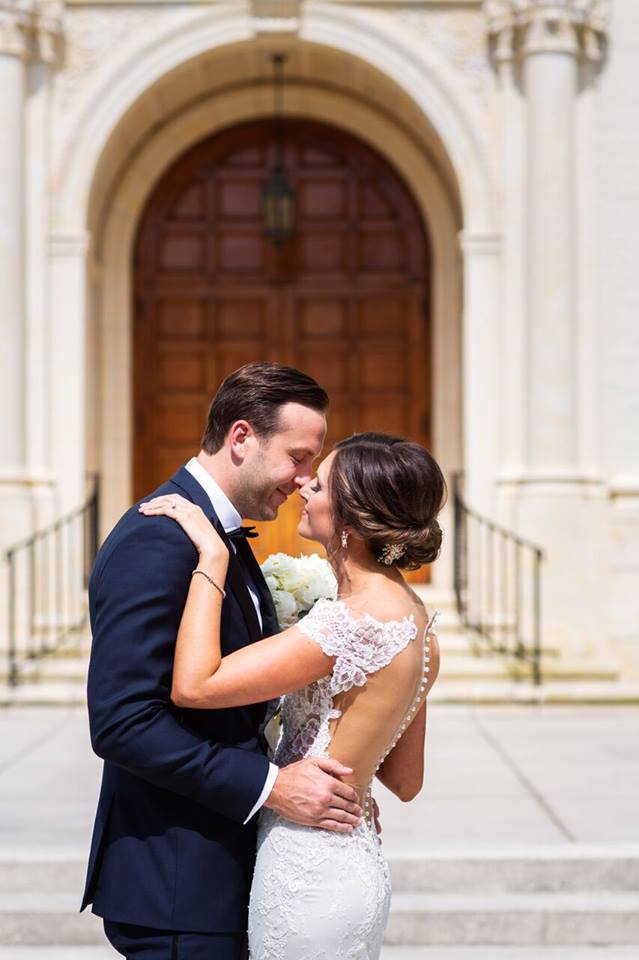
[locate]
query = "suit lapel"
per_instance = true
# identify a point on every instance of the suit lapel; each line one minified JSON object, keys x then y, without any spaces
{"x":270,"y":623}
{"x":234,"y":578}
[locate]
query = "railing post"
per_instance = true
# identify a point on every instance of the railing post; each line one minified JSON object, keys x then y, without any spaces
{"x":59,"y":582}
{"x":520,"y":647}
{"x":537,"y":620}
{"x":57,"y":569}
{"x":460,"y":550}
{"x":31,"y":588}
{"x":483,"y":603}
{"x":91,"y":539}
{"x":13,"y":658}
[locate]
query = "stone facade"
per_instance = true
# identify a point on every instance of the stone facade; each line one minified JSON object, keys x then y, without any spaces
{"x":514,"y":124}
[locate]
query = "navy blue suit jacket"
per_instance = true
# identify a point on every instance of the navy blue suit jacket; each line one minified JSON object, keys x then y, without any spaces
{"x":169,"y":848}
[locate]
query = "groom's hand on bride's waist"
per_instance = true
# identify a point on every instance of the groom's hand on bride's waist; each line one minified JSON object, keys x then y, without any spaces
{"x":310,"y":792}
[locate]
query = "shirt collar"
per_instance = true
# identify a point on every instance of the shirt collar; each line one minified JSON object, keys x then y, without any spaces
{"x":226,"y":512}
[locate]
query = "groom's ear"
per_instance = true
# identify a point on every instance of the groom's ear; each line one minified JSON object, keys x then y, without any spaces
{"x":240,"y":433}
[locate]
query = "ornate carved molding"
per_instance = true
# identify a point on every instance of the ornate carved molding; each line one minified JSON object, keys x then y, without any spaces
{"x":518,"y":28}
{"x":32,"y":29}
{"x":50,"y":31}
{"x":14,"y":29}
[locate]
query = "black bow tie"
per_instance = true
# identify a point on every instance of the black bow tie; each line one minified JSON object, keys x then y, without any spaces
{"x":242,"y":533}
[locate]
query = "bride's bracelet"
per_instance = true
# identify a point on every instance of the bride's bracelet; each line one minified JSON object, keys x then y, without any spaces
{"x":211,"y":581}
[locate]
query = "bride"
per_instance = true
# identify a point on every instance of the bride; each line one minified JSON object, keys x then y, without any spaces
{"x":354,"y":675}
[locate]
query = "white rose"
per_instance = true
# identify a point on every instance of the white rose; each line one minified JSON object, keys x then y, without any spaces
{"x":286,"y":571}
{"x":285,"y":607}
{"x":307,"y":596}
{"x":271,"y":582}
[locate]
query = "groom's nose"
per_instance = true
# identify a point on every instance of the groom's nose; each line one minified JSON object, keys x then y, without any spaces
{"x":304,"y":476}
{"x":303,"y":491}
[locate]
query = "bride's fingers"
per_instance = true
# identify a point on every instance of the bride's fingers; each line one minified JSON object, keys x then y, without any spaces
{"x":173,"y":506}
{"x":172,"y":501}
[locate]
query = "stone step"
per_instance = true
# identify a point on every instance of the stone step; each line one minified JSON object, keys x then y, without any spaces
{"x":524,"y":919}
{"x":435,"y":598}
{"x":463,"y":643}
{"x":457,"y":664}
{"x":491,"y":953}
{"x":67,"y":669}
{"x":446,"y":690}
{"x":503,"y":691}
{"x":468,"y":667}
{"x":43,"y":695}
{"x":26,"y":872}
{"x":576,"y":868}
{"x":47,"y":918}
{"x":66,"y":952}
{"x":388,"y":953}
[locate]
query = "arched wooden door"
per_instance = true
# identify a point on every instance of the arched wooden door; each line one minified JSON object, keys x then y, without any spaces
{"x":346,"y":299}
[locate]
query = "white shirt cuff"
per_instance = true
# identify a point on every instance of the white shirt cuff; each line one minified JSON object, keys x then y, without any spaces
{"x":269,"y":783}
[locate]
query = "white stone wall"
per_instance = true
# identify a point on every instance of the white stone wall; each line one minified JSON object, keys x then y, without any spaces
{"x":463,"y":141}
{"x":616,"y":268}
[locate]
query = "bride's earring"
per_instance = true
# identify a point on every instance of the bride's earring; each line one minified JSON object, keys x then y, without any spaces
{"x":344,"y":539}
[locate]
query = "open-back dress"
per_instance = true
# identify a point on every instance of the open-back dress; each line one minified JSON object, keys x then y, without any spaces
{"x":319,"y":895}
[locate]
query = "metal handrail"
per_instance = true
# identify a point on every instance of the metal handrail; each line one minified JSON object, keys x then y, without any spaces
{"x":48,"y":573}
{"x":497,"y":580}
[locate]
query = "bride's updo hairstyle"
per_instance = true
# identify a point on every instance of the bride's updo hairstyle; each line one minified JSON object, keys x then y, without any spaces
{"x":388,"y":491}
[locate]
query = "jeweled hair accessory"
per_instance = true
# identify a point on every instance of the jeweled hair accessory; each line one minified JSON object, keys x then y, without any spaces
{"x":391,"y":553}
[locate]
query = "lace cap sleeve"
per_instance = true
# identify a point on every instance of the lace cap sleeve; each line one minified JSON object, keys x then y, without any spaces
{"x":361,"y":646}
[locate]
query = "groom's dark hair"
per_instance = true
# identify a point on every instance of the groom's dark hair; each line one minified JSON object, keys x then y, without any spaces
{"x":255,"y":393}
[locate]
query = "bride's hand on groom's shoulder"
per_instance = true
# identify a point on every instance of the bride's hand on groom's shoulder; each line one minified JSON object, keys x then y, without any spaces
{"x":193,"y":521}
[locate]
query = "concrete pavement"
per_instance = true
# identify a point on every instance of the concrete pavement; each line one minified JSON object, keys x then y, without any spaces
{"x":496,"y":777}
{"x":537,"y":804}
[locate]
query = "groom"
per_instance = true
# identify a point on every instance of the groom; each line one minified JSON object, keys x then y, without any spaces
{"x":173,"y":845}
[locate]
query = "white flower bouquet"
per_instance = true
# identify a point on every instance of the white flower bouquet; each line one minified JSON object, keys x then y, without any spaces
{"x":297,"y":583}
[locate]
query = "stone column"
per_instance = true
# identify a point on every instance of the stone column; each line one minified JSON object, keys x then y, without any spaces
{"x":68,"y":284}
{"x":14,"y":488}
{"x":556,"y":497}
{"x":15,"y":495}
{"x":481,"y":368}
{"x":46,"y":56}
{"x":29,"y":32}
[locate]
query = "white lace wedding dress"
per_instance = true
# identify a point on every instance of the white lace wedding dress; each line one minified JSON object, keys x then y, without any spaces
{"x":318,"y":895}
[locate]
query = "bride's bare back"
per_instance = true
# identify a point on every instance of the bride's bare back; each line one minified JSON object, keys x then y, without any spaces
{"x":373,"y":717}
{"x":377,"y":685}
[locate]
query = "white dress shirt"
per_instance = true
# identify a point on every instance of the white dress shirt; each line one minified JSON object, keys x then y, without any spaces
{"x":231,"y":520}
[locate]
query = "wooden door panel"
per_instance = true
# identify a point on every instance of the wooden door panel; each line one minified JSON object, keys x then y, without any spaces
{"x":240,"y":252}
{"x":323,"y":199}
{"x":184,"y":372}
{"x":180,"y":319}
{"x":239,"y":199}
{"x":322,"y":318}
{"x":344,"y":299}
{"x":245,"y":318}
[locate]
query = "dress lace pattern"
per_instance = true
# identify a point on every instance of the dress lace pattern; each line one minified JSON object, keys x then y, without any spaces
{"x":318,"y":895}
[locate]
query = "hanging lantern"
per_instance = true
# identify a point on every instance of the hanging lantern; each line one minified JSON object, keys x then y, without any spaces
{"x":278,"y":197}
{"x":279,"y":208}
